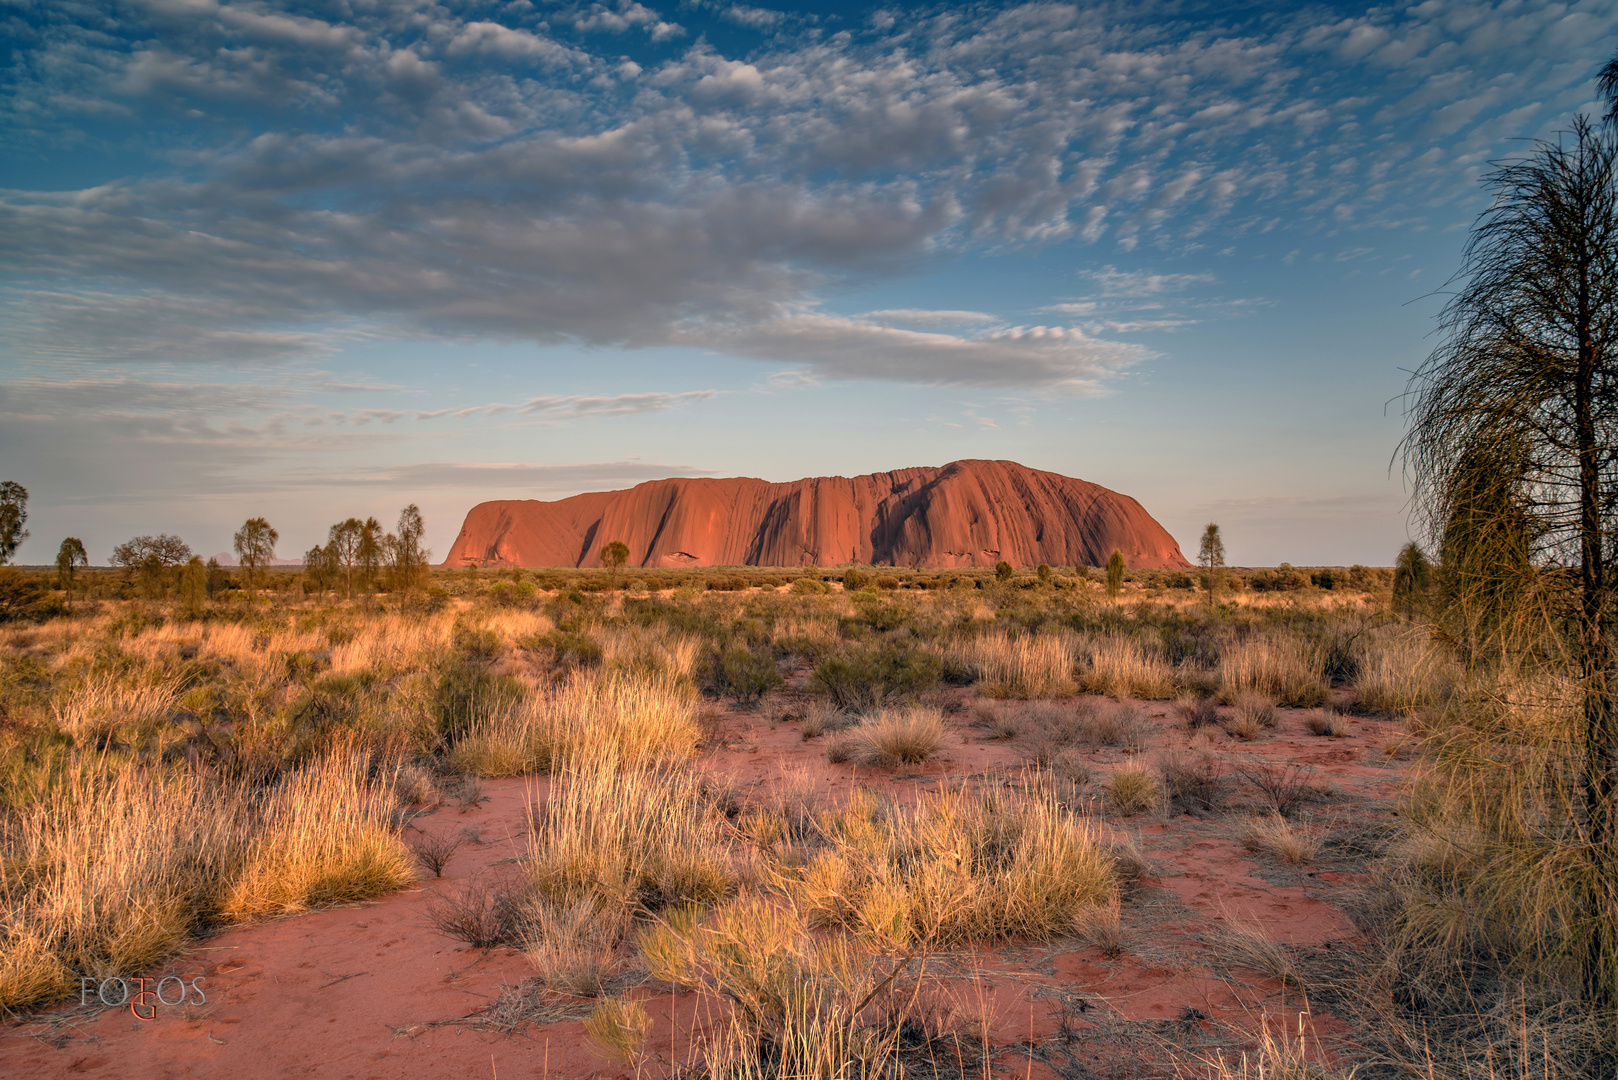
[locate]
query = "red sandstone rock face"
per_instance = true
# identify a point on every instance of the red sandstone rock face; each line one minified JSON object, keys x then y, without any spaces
{"x":967,"y":513}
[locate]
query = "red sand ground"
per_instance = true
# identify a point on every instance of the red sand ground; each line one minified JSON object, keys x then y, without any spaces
{"x":372,"y":990}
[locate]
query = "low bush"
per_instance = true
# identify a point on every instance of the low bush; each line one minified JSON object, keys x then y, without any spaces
{"x":742,"y":674}
{"x":869,"y":677}
{"x":1196,"y":782}
{"x":1274,"y":835}
{"x":1327,"y":722}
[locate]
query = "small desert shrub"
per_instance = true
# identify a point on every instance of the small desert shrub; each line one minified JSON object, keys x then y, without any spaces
{"x":1274,"y":835}
{"x":480,"y":913}
{"x":1128,"y":861}
{"x":742,"y":674}
{"x":1122,"y":666}
{"x":1197,"y":712}
{"x":1327,"y":722}
{"x":435,"y":850}
{"x":1133,"y":790}
{"x":1244,"y":728}
{"x":415,"y":785}
{"x":628,"y":833}
{"x":839,"y":749}
{"x":1285,"y":787}
{"x":996,"y":719}
{"x":868,"y":677}
{"x":1024,"y":666}
{"x":1196,"y":782}
{"x":955,"y":867}
{"x":1254,"y":711}
{"x":894,"y":737}
{"x":799,"y":998}
{"x":1283,"y":666}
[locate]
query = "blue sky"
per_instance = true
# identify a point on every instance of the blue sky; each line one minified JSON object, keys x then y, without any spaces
{"x":313,"y":260}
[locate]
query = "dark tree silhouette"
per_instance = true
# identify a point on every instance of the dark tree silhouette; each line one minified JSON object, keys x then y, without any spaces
{"x":69,"y":557}
{"x":13,"y":515}
{"x":613,"y":557}
{"x":1115,"y":572}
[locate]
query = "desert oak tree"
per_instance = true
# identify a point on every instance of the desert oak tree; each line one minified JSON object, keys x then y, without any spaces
{"x":1514,"y":416}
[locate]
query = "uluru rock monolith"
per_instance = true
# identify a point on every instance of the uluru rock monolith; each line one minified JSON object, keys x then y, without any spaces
{"x":966,"y":513}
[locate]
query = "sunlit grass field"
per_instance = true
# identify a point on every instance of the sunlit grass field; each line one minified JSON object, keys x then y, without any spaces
{"x":168,"y":769}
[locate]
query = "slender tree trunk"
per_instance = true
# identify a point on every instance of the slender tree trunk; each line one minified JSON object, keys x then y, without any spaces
{"x":1600,"y":718}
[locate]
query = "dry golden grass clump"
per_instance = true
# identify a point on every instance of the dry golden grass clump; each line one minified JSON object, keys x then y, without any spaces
{"x":110,"y":871}
{"x":1286,"y":667}
{"x":1254,"y":714}
{"x":1101,"y":925}
{"x":1134,"y":790}
{"x":628,"y":833}
{"x":1401,"y":671}
{"x":326,"y":838}
{"x":954,"y":867}
{"x":1275,"y":835}
{"x":889,"y":738}
{"x":107,"y":702}
{"x":1022,"y":666}
{"x":573,"y":944}
{"x":803,"y":1004}
{"x":631,"y":718}
{"x":1327,"y":722}
{"x":1123,"y":666}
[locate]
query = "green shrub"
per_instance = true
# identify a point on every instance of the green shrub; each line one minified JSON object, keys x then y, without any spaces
{"x":463,"y":692}
{"x":866,"y":677}
{"x":565,"y":648}
{"x":742,"y":674}
{"x":808,"y":586}
{"x":853,"y":578}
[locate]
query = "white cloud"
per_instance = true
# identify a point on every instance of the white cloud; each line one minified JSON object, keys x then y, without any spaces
{"x":447,"y":176}
{"x":833,"y":347}
{"x":928,"y":317}
{"x":614,"y":405}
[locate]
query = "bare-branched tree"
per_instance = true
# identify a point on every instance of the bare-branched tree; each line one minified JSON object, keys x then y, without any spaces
{"x":344,"y":540}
